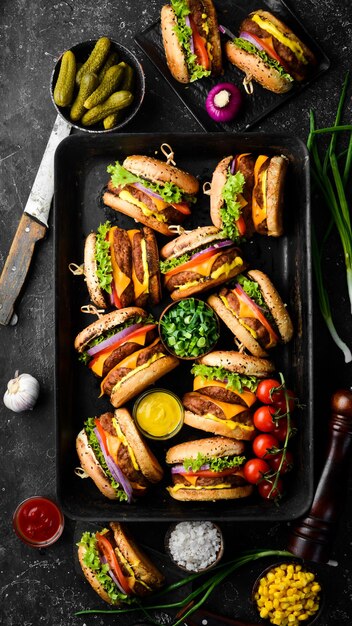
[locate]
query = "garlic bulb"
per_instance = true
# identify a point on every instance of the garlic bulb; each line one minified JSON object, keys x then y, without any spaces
{"x":22,"y":393}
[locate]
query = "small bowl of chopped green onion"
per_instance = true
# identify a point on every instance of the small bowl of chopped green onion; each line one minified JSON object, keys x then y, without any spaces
{"x":189,"y":328}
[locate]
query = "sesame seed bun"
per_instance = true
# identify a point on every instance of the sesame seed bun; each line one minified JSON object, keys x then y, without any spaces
{"x":160,"y":172}
{"x":275,"y":304}
{"x":255,"y":68}
{"x":92,"y":467}
{"x":96,"y":294}
{"x":173,"y":50}
{"x":106,"y":322}
{"x":238,"y":362}
{"x":210,"y":495}
{"x":217,"y":184}
{"x":190,"y":241}
{"x":276,"y":175}
{"x":209,"y":447}
{"x":91,"y":577}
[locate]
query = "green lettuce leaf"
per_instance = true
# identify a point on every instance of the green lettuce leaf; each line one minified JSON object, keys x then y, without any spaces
{"x":235,"y":382}
{"x":252,"y":290}
{"x":168,"y":191}
{"x":215,"y":464}
{"x":184,"y":33}
{"x":92,"y":560}
{"x":169,"y":264}
{"x":231,"y":211}
{"x":102,"y":258}
{"x":268,"y":60}
{"x":89,"y":426}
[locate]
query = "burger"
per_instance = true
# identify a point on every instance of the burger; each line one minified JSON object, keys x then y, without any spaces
{"x":270,"y":53}
{"x":223,"y":393}
{"x":116,"y":568}
{"x":268,"y":195}
{"x":191,"y":39}
{"x":208,"y":469}
{"x":123,"y":348}
{"x":253,"y":310}
{"x":113,"y":454}
{"x":150,"y":191}
{"x":122,"y":267}
{"x":231,"y":196}
{"x":199,"y":260}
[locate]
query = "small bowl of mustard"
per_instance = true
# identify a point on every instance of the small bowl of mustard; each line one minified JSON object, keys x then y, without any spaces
{"x":288,"y":593}
{"x":158,"y":414}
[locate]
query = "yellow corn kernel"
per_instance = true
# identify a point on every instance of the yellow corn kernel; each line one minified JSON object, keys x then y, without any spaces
{"x":291,"y":618}
{"x":264,"y":613}
{"x":303,"y":616}
{"x":316,"y":587}
{"x":268,"y":605}
{"x":271,"y":577}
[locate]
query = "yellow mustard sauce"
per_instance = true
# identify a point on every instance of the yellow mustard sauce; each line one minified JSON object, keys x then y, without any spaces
{"x":159,"y":414}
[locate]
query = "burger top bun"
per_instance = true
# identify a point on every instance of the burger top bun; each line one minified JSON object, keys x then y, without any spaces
{"x":106,"y":322}
{"x":209,"y":447}
{"x":190,"y":241}
{"x":90,"y":270}
{"x":238,"y":362}
{"x":158,"y":171}
{"x":274,"y":303}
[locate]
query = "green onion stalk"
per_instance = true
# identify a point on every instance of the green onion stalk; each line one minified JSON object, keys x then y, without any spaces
{"x":331,"y":182}
{"x":198,"y":596}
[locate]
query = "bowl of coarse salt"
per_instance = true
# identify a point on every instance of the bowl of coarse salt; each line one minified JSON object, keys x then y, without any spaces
{"x":194,"y":546}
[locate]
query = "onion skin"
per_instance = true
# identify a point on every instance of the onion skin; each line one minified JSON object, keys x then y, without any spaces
{"x":231,"y":109}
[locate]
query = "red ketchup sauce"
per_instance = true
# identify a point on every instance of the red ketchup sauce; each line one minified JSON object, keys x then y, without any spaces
{"x":38,"y":521}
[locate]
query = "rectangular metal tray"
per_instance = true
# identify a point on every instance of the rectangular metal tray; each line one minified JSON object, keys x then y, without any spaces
{"x":255,"y":107}
{"x":80,"y":178}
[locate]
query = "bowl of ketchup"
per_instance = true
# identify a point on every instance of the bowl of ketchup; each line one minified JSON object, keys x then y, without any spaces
{"x":38,"y":521}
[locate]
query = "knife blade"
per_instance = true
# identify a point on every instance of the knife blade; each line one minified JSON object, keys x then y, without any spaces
{"x":32,"y":227}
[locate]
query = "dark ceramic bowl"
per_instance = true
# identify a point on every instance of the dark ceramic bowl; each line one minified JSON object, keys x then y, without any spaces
{"x":309,"y":567}
{"x":82,"y":51}
{"x":163,"y":336}
{"x":218,"y":557}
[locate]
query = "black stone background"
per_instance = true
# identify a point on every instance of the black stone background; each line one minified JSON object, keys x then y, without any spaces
{"x":46,"y":588}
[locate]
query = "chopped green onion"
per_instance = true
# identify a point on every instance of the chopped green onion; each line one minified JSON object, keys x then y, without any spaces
{"x":189,"y":328}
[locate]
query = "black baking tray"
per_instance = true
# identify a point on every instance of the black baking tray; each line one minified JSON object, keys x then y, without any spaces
{"x":255,"y":107}
{"x":80,"y":178}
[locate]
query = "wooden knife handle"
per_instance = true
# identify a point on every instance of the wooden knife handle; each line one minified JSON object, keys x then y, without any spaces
{"x":312,"y":538}
{"x":17,"y":264}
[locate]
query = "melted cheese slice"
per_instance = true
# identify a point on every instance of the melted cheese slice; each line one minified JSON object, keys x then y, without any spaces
{"x":294,"y":45}
{"x":98,"y":366}
{"x":247,"y":396}
{"x":205,"y":270}
{"x":230,"y":410}
{"x":121,"y":281}
{"x":228,"y":422}
{"x":179,"y":486}
{"x":123,"y":440}
{"x":160,"y":205}
{"x":139,"y":287}
{"x":258,"y":212}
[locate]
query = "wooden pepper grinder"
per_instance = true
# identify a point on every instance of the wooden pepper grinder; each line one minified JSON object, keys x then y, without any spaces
{"x":312,"y":538}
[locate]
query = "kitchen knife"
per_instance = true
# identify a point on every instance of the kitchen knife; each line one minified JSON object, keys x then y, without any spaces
{"x":32,"y":227}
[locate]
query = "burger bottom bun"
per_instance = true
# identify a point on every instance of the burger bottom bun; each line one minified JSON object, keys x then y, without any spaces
{"x":275,"y":195}
{"x":211,"y":494}
{"x":122,"y":206}
{"x":96,"y":294}
{"x":239,"y":362}
{"x":174,"y":55}
{"x":139,"y":381}
{"x":146,"y":460}
{"x":143,"y":568}
{"x":254,"y":67}
{"x":212,"y":426}
{"x":275,"y":304}
{"x":241,"y":333}
{"x":92,"y":579}
{"x":178,"y":294}
{"x":91,"y":466}
{"x":217,"y":184}
{"x":209,"y":447}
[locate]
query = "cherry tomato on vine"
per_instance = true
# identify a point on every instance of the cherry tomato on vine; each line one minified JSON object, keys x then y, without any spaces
{"x":265,"y":388}
{"x":287,"y":464}
{"x":254,"y":470}
{"x":263,"y":418}
{"x":279,"y":400}
{"x":262,"y":444}
{"x":280,"y":429}
{"x":265,"y":487}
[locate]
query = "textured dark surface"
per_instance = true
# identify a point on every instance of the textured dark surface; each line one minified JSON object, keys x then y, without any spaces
{"x":46,"y":588}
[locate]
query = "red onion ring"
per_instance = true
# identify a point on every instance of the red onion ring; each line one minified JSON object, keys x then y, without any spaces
{"x":180,"y":469}
{"x":111,"y":340}
{"x":114,"y":469}
{"x":233,"y":166}
{"x":146,"y":190}
{"x":112,"y":575}
{"x":216,"y":246}
{"x":191,"y":42}
{"x":248,"y":37}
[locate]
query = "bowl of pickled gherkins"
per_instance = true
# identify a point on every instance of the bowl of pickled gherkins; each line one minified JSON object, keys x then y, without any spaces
{"x":98,"y":85}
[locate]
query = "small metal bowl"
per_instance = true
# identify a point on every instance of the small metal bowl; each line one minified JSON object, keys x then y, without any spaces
{"x":218,"y":557}
{"x":309,"y":568}
{"x":169,"y":348}
{"x":82,"y":51}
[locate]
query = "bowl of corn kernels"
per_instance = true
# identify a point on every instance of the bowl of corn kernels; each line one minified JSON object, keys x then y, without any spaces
{"x":287,"y":594}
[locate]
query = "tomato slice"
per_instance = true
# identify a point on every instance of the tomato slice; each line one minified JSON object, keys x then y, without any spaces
{"x":107,"y":551}
{"x":182,"y":207}
{"x":212,"y":474}
{"x":116,"y":299}
{"x":200,"y":49}
{"x":119,"y":342}
{"x":101,"y":432}
{"x":241,"y":225}
{"x":270,"y":50}
{"x":259,"y":315}
{"x":192,"y":263}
